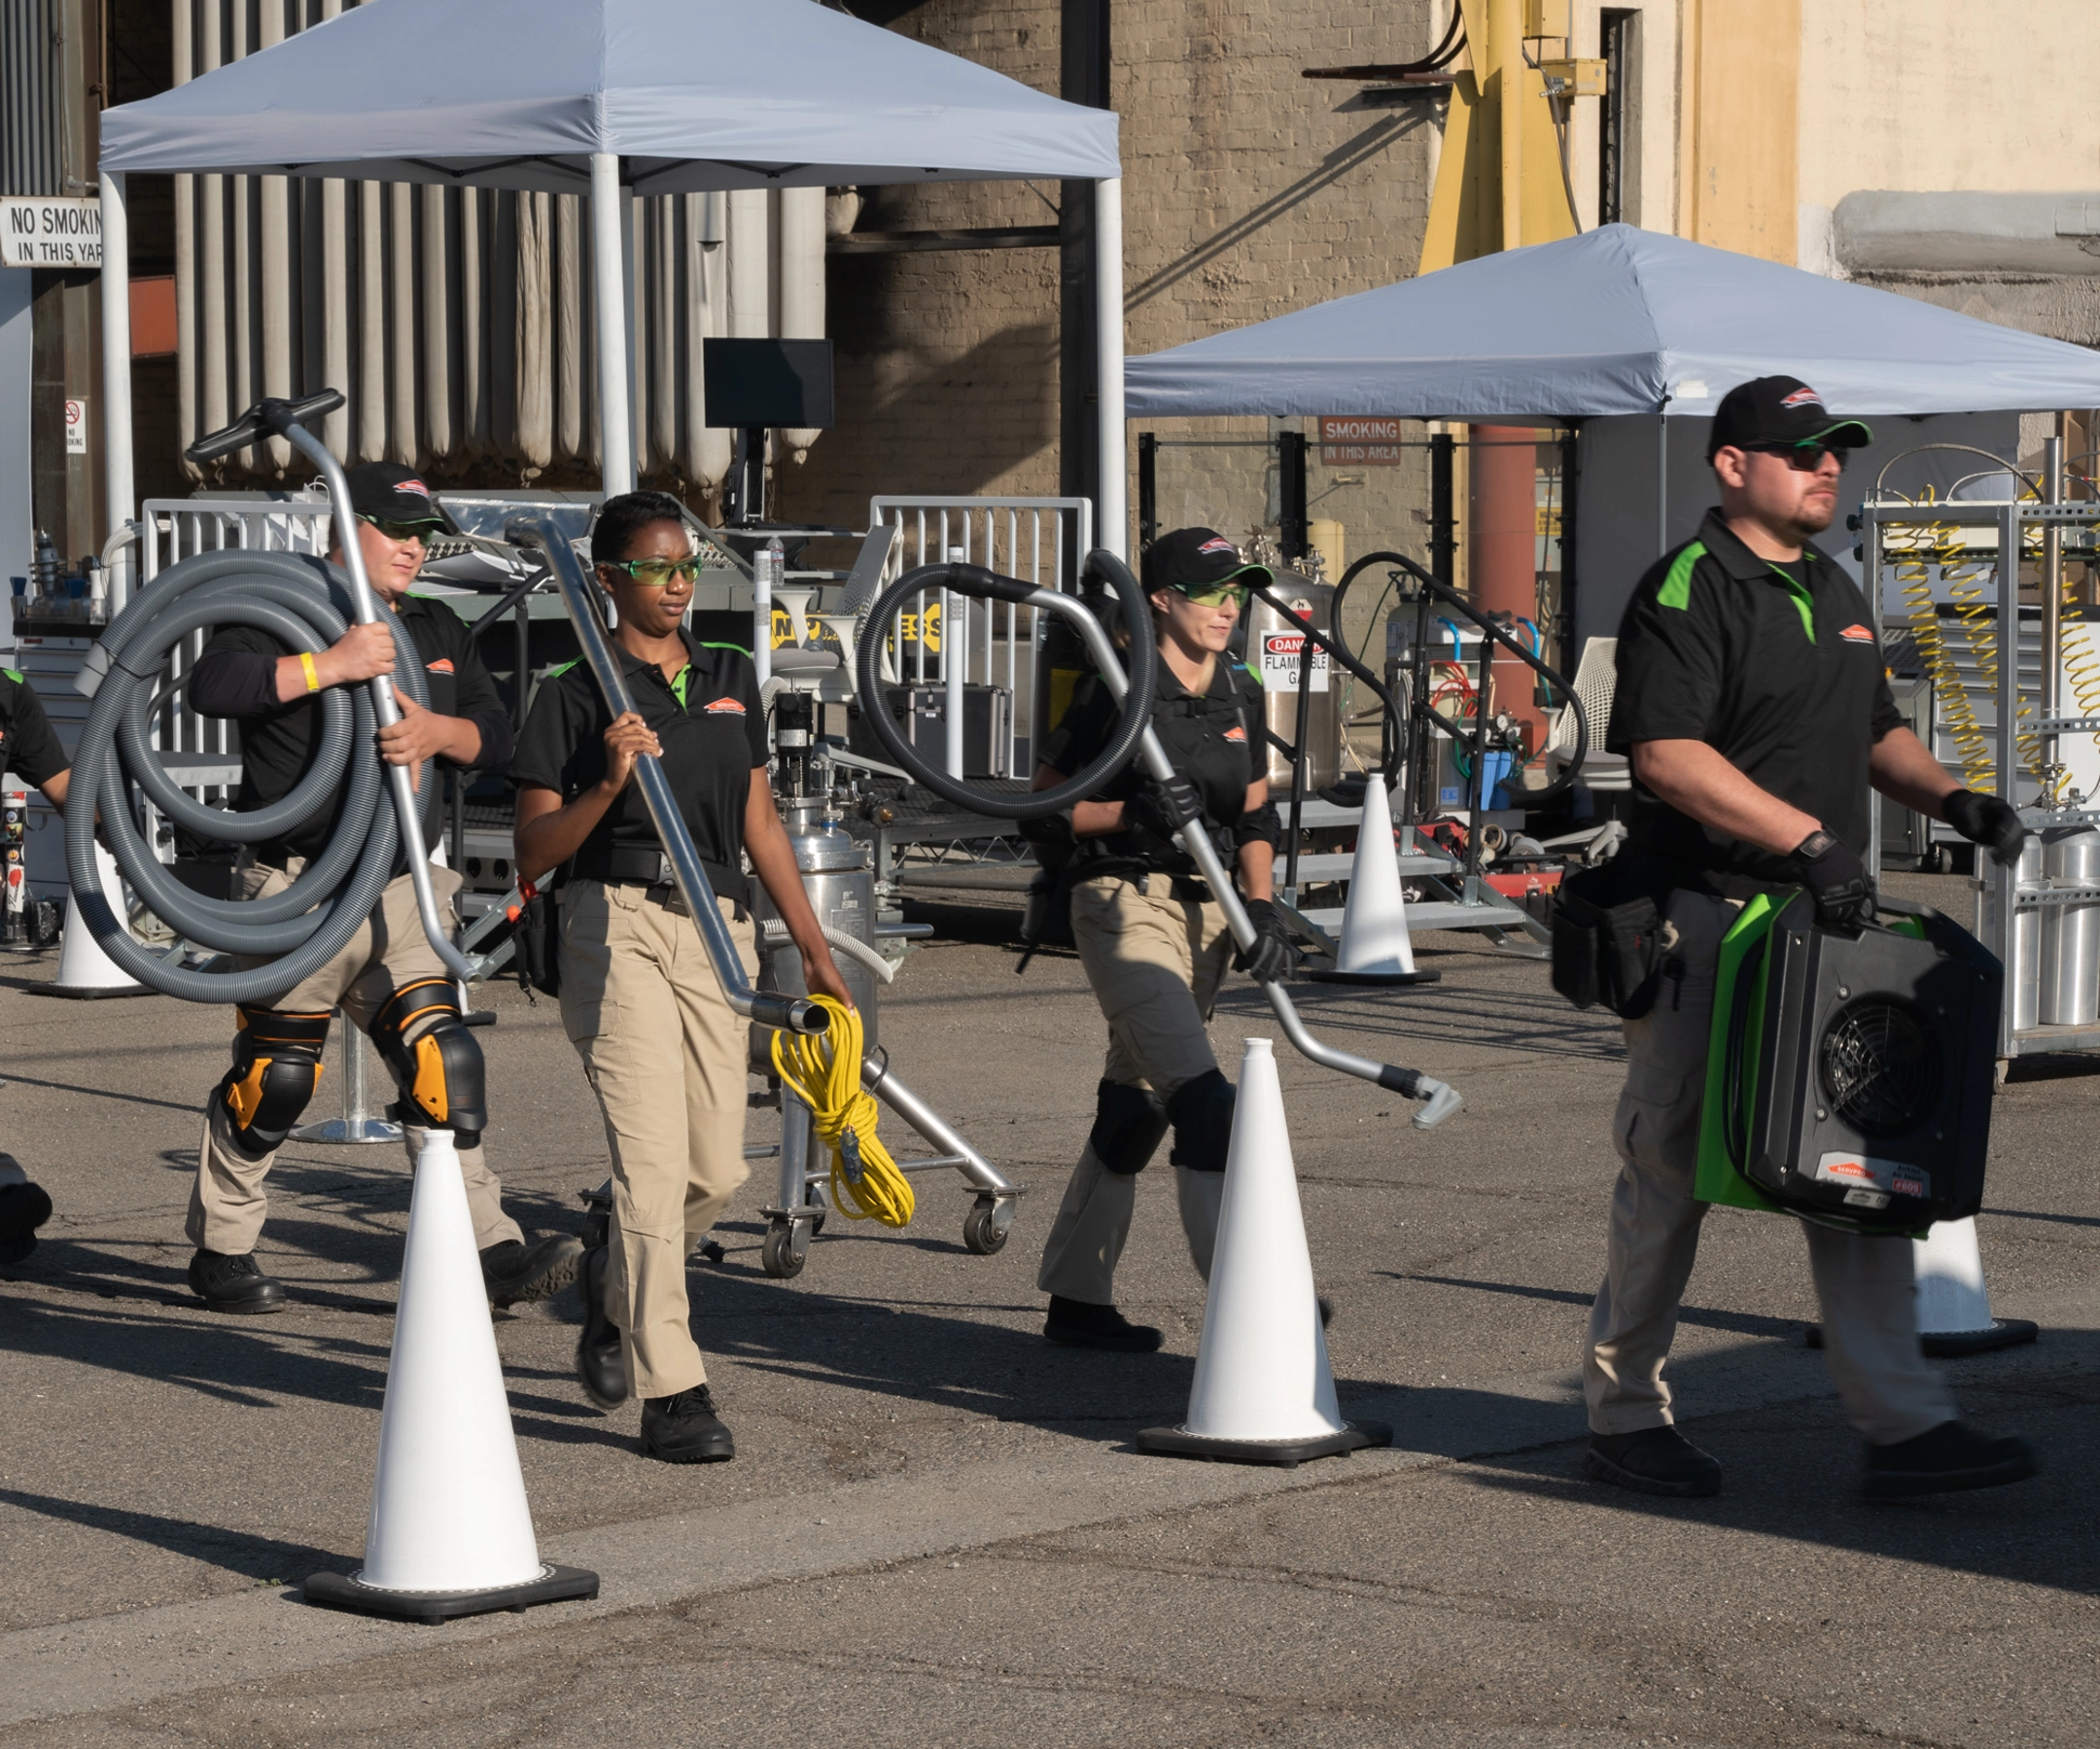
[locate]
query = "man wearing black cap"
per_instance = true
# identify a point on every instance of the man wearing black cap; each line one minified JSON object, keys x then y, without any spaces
{"x":1150,"y":932}
{"x":1755,"y":709}
{"x":387,"y":979}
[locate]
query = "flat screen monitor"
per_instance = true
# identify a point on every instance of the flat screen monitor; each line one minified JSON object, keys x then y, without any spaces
{"x":768,"y":382}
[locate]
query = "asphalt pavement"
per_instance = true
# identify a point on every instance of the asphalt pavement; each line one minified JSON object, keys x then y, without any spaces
{"x":937,"y":1529}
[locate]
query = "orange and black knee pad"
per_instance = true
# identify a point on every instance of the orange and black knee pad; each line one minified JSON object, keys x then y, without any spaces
{"x":433,"y":1058}
{"x":276,"y":1066}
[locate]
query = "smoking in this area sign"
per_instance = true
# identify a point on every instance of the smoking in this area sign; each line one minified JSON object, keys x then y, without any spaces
{"x":76,"y":428}
{"x":1281,"y":655}
{"x":1352,"y":441}
{"x":50,"y":233}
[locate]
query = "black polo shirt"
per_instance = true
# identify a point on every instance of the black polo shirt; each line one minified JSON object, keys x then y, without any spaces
{"x":1211,"y":739}
{"x":29,"y":746}
{"x":1782,"y":673}
{"x":236,"y":677}
{"x":709,"y":722}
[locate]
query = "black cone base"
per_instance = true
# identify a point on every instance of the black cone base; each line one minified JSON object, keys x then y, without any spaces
{"x":1176,"y":1442}
{"x":555,"y":1585}
{"x":1330,"y":975}
{"x":90,"y":992}
{"x":1953,"y":1344}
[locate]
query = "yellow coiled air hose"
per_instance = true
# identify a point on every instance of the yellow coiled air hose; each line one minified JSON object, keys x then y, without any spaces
{"x":822,"y":1069}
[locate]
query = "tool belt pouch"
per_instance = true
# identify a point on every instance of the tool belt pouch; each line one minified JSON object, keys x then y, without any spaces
{"x":1607,"y":942}
{"x":536,"y":942}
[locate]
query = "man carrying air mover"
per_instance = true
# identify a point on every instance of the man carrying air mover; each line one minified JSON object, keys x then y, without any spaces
{"x":387,"y":979}
{"x":1754,"y":707}
{"x":1150,"y":932}
{"x":29,"y":748}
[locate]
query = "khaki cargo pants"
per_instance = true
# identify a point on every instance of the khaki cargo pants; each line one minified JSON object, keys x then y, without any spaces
{"x":228,"y":1203}
{"x":1866,"y":1286}
{"x":1155,"y":963}
{"x":666,"y":1056}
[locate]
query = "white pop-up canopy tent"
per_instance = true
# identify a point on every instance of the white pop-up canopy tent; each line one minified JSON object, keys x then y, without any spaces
{"x":612,"y":99}
{"x":1616,"y":321}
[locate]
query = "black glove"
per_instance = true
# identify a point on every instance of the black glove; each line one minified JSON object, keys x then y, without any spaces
{"x":1163,"y":809}
{"x":1271,"y":958}
{"x":1836,"y":880}
{"x":1988,"y":820}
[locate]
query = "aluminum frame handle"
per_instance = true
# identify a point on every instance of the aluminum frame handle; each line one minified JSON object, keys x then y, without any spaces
{"x":1439,"y":1099}
{"x":385,"y":707}
{"x":767,"y":1008}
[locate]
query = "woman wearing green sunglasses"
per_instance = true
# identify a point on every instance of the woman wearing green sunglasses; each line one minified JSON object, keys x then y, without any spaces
{"x":1152,"y":935}
{"x":664,"y":1051}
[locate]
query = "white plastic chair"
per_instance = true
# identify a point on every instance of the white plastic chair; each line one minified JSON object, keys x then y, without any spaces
{"x":1597,"y":677}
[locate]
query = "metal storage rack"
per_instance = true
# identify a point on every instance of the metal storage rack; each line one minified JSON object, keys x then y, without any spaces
{"x":2026,"y":703}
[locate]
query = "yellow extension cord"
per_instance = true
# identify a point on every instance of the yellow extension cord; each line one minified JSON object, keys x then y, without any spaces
{"x":822,"y":1069}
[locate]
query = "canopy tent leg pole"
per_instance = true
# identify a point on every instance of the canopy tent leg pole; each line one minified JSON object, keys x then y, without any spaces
{"x":117,"y":373}
{"x":608,"y":298}
{"x":1108,"y":327}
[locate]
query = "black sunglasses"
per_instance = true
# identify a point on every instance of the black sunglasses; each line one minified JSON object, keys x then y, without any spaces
{"x":1802,"y":458}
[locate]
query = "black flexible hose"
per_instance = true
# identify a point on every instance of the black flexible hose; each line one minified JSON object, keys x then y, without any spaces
{"x":987,"y":586}
{"x":305,"y":605}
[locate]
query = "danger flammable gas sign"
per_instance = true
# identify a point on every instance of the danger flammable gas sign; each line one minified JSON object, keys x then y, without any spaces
{"x":36,"y":232}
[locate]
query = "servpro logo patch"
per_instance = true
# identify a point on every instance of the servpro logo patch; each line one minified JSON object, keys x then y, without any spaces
{"x":1845,"y":1169}
{"x":726,"y":707}
{"x":1803,"y":397}
{"x":412,"y":485}
{"x":1235,"y":733}
{"x":442,"y":665}
{"x":1856,"y":633}
{"x":1218,"y":543}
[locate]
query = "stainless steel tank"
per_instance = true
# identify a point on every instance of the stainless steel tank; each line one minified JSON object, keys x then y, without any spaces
{"x":2023,"y":956}
{"x":841,"y":890}
{"x":1274,"y":649}
{"x":2070,"y":934}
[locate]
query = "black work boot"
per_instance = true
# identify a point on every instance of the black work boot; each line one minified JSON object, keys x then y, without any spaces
{"x":600,"y":1364}
{"x":685,"y":1429}
{"x":1949,"y":1457}
{"x":1656,"y":1461}
{"x":514,"y":1272}
{"x":228,"y":1284}
{"x":1081,"y":1324}
{"x":23,"y":1209}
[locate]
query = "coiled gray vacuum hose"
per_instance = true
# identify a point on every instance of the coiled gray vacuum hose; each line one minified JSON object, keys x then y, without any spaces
{"x":304,"y":603}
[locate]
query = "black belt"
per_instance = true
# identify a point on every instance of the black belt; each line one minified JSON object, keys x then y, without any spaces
{"x":646,"y":866}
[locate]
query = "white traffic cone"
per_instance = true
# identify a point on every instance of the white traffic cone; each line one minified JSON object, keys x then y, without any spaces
{"x":451,"y":1532}
{"x":1375,"y":947}
{"x":85,"y":970}
{"x":1263,"y":1391}
{"x":1953,"y":1306}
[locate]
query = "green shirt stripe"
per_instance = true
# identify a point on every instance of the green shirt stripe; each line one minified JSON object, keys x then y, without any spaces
{"x":1803,"y":601}
{"x":1676,"y":590}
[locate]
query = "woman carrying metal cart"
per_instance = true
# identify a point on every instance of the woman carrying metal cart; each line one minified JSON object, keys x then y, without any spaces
{"x":664,"y":1051}
{"x":1150,"y":933}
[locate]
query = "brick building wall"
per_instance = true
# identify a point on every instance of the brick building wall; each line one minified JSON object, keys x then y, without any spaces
{"x":1248,"y":190}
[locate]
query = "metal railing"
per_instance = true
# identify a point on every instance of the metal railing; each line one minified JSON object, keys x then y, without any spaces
{"x":1042,"y":541}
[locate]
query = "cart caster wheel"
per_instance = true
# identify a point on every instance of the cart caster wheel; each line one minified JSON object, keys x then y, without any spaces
{"x":986,"y":1227}
{"x":2002,"y":1069}
{"x":787,"y":1245}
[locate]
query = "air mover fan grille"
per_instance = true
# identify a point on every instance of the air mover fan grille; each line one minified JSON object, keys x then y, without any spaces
{"x":1880,"y":1068}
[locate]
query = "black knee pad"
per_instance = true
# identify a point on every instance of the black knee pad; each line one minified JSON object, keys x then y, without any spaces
{"x":1127,"y":1124}
{"x":434,"y":1059}
{"x":276,"y":1063}
{"x":1202,"y":1113}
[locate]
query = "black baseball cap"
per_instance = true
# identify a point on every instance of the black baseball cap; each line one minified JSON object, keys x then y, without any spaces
{"x":1779,"y":410}
{"x":1197,"y":558}
{"x":388,"y":492}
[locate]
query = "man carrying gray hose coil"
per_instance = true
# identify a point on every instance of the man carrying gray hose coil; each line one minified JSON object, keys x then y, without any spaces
{"x":1753,"y":704}
{"x":386,"y":980}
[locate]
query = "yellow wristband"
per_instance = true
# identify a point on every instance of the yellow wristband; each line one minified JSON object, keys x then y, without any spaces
{"x":313,"y":674}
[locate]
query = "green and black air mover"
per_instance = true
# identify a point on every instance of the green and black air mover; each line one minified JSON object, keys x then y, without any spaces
{"x":1848,"y":1078}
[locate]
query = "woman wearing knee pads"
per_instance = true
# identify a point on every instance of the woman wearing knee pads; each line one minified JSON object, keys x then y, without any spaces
{"x":664,"y":1052}
{"x":1150,"y":933}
